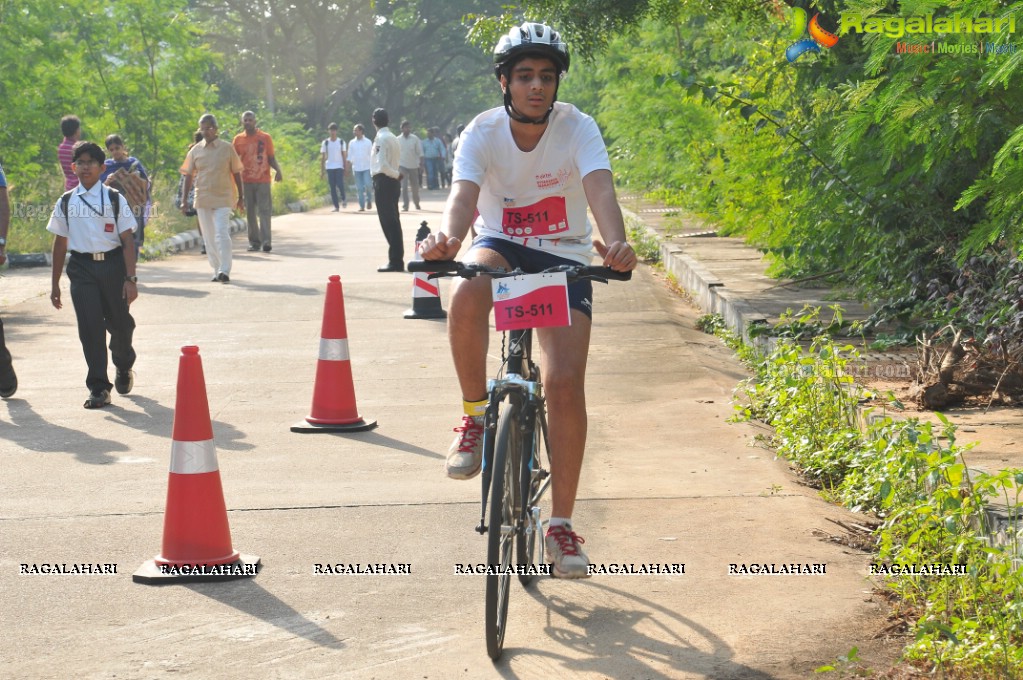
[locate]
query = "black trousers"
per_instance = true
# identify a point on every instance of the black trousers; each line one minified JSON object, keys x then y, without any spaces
{"x":97,"y":291}
{"x":388,"y":192}
{"x":336,"y":180}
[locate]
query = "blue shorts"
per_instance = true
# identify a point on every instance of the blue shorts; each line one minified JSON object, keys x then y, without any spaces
{"x":580,"y":293}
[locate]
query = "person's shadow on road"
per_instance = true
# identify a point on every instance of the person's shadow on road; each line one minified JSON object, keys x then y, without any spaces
{"x":31,"y":431}
{"x":614,"y":633}
{"x":157,"y":419}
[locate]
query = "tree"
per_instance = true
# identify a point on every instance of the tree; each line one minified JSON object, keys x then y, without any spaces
{"x":332,"y":61}
{"x":135,"y":68}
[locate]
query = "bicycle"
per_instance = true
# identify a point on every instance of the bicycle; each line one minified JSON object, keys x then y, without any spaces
{"x":515,"y":449}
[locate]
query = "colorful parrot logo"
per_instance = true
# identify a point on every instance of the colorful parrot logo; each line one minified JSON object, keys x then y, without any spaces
{"x":818,"y":36}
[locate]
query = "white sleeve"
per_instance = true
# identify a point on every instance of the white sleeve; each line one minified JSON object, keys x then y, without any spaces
{"x":58,"y":221}
{"x":591,"y":152}
{"x":470,"y":161}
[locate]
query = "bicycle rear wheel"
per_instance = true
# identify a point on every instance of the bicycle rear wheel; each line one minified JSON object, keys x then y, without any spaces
{"x":501,"y":531}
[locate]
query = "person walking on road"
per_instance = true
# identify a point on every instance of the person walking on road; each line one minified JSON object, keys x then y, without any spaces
{"x":210,"y":166}
{"x":127,"y":174}
{"x":256,"y":149}
{"x":360,"y":152}
{"x":333,"y":157}
{"x":95,"y":223}
{"x":409,"y":165}
{"x":8,"y":378}
{"x":387,"y":187}
{"x":532,"y":157}
{"x":433,"y":156}
{"x":189,"y":199}
{"x":71,"y":128}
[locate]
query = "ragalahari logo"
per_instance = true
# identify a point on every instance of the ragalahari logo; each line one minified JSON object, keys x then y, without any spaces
{"x":819,"y":37}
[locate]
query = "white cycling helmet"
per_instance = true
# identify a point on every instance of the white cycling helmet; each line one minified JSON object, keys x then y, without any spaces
{"x":530,"y":39}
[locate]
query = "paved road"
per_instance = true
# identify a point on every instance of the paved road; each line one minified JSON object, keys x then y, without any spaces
{"x":667,"y":480}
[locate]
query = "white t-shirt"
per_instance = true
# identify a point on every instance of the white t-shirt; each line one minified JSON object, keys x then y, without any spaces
{"x":334,"y":150}
{"x":534,"y":198}
{"x":359,"y":153}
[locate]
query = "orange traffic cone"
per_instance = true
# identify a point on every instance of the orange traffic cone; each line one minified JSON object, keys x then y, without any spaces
{"x":196,"y":536}
{"x":425,"y":293}
{"x":334,"y":407}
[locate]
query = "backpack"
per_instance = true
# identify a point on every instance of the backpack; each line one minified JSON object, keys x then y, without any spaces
{"x":115,"y":203}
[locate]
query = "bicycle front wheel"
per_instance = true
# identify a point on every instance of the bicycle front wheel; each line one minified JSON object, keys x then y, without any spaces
{"x":501,"y":531}
{"x":530,"y":451}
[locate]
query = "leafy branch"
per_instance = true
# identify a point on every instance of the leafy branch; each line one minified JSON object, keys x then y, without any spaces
{"x":748,"y":109}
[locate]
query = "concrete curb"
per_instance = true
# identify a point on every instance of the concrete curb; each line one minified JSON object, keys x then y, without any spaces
{"x":185,"y":240}
{"x":708,"y":291}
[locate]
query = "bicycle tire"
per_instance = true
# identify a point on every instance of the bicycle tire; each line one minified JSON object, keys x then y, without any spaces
{"x":501,"y":532}
{"x":527,"y":536}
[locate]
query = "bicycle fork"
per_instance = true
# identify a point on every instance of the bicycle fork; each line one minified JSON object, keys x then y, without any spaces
{"x":523,"y":395}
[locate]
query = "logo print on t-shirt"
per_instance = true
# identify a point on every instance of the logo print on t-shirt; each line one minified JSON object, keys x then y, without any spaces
{"x":546,"y":181}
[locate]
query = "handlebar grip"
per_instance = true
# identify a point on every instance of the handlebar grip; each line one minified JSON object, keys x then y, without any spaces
{"x":433,"y":266}
{"x":607,"y":273}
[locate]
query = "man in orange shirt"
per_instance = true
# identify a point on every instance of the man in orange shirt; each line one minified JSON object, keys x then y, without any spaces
{"x":256,"y":149}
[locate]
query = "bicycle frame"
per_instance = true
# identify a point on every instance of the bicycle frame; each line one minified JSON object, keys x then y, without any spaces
{"x":521,"y":386}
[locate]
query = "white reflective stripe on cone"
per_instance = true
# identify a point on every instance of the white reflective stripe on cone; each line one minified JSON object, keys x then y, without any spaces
{"x":333,"y":350}
{"x":193,"y":458}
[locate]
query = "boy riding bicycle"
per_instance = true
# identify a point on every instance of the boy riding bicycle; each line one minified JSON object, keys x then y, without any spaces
{"x":531,"y":168}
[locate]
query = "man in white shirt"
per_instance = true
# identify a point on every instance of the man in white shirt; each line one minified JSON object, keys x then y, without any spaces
{"x":95,"y":223}
{"x":333,"y":155}
{"x":387,"y":186}
{"x":532,"y":168}
{"x":360,"y":150}
{"x":411,"y":160}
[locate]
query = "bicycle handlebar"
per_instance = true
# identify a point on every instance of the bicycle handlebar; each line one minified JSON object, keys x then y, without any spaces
{"x":452,"y":268}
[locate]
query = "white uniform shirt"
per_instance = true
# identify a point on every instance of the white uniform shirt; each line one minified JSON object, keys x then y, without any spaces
{"x":93,"y":226}
{"x":359,"y":153}
{"x":534,"y":198}
{"x":386,"y":151}
{"x":334,"y":150}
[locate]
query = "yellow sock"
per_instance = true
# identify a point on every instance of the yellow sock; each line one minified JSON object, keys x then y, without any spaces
{"x":474,"y":408}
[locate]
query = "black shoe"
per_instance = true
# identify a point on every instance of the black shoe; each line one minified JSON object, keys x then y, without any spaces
{"x":223,"y":278}
{"x":98,"y":399}
{"x":124,"y":381}
{"x":202,"y":251}
{"x":267,"y":249}
{"x":391,"y":268}
{"x":9,"y":388}
{"x":253,"y":249}
{"x":216,"y":277}
{"x":369,"y":205}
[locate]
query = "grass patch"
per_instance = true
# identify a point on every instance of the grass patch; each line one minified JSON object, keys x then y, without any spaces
{"x":915,"y":479}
